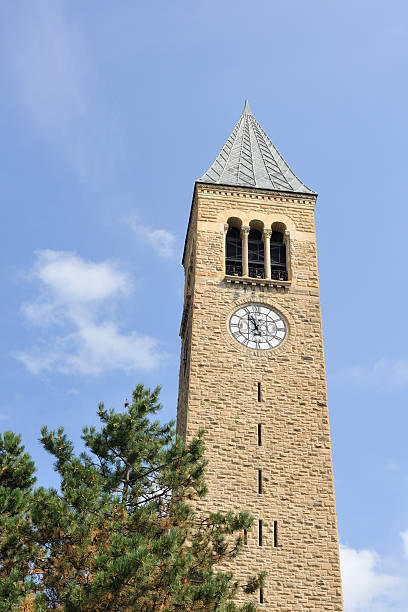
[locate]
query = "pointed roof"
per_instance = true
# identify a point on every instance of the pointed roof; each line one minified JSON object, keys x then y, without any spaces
{"x":249,"y":159}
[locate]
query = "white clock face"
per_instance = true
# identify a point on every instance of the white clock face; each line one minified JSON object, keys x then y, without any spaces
{"x":258,"y":327}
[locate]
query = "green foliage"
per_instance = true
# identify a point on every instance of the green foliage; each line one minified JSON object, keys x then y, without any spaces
{"x":17,"y":545}
{"x":121,"y":534}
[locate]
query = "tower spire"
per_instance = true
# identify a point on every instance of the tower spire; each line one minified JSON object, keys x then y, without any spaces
{"x":250,"y":159}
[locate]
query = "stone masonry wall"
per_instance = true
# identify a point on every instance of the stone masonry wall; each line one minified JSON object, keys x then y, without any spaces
{"x":219,"y":392}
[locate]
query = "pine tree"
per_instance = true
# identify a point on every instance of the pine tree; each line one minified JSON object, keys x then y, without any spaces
{"x":121,"y":534}
{"x":17,"y":542}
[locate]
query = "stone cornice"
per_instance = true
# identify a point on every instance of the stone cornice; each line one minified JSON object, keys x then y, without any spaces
{"x":261,"y":282}
{"x":254,"y":193}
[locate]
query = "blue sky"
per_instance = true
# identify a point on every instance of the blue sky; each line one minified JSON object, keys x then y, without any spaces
{"x":108,"y":114}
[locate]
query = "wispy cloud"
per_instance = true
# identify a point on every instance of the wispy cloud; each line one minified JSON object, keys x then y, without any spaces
{"x":160,"y":240}
{"x":391,"y":465}
{"x":52,"y":74}
{"x":392,"y":374}
{"x":74,"y":296}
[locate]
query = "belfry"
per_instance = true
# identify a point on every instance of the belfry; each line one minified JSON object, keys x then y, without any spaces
{"x":252,"y":371}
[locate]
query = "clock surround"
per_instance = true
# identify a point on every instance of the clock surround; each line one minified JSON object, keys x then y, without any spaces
{"x":258,"y":326}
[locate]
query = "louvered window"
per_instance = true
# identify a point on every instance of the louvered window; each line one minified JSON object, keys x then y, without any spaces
{"x":278,"y":257}
{"x":256,"y":254}
{"x":233,"y":260}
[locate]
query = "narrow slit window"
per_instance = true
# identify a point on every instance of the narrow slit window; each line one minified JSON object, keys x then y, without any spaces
{"x":245,"y":536}
{"x":261,"y":595}
{"x":259,"y":434}
{"x":185,"y":354}
{"x":259,"y":392}
{"x":260,"y":482}
{"x":260,"y":532}
{"x":275,"y":533}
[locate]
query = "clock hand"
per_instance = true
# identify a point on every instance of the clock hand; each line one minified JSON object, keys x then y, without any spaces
{"x":256,"y":323}
{"x":253,"y":321}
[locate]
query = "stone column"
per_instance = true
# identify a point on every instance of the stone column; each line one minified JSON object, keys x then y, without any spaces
{"x":267,"y":233}
{"x":244,"y":236}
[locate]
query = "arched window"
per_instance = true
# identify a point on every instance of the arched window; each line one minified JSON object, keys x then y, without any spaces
{"x":278,"y":257}
{"x":256,"y":254}
{"x":233,"y":252}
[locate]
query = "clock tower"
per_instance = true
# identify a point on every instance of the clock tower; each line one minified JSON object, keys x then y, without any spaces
{"x":252,"y":369}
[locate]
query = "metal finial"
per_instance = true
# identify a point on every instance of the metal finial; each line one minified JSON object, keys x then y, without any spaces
{"x":247,"y":110}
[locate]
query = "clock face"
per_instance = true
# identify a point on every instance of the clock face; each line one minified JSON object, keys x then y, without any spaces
{"x":257,"y":326}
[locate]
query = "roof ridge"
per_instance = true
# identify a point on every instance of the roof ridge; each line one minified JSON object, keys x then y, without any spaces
{"x":245,"y":128}
{"x":259,"y":135}
{"x":282,"y":159}
{"x":211,"y":168}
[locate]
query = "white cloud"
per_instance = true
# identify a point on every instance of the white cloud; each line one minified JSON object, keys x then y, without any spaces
{"x":364,"y":585}
{"x":74,"y":279}
{"x":73,"y":296}
{"x":67,"y":281}
{"x":392,"y":466}
{"x":161,"y":240}
{"x":53,"y":78}
{"x":392,"y":374}
{"x":404,"y":536}
{"x":400,"y":371}
{"x":5,"y":411}
{"x":372,"y":583}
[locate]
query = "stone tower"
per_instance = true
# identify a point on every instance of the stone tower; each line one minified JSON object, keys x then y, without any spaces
{"x":252,"y":368}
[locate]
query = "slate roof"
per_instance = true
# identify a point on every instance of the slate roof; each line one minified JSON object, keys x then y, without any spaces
{"x":249,"y":159}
